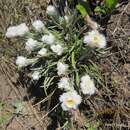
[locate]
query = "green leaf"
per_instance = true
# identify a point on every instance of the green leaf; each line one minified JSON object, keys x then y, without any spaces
{"x":77,"y":79}
{"x":110,"y":4}
{"x":73,"y":60}
{"x":98,"y":9}
{"x":3,"y":119}
{"x":81,"y":9}
{"x":90,"y":126}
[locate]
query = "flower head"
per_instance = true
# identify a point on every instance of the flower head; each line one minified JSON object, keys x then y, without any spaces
{"x":95,"y":39}
{"x":36,"y":75}
{"x":38,"y":25}
{"x":62,"y":68}
{"x":87,"y":85}
{"x":22,"y":29}
{"x":65,"y":84}
{"x":21,"y":61}
{"x":51,"y":10}
{"x":30,"y":44}
{"x":58,"y":49}
{"x":70,"y":100}
{"x":48,"y":39}
{"x":42,"y":52}
{"x":18,"y":30}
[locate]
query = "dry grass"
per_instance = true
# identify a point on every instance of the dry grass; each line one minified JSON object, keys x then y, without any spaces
{"x":109,"y":109}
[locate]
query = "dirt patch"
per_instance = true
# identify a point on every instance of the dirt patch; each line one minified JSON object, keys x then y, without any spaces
{"x":11,"y":90}
{"x":30,"y":116}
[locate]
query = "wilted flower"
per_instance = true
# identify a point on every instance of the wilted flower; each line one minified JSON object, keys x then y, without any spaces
{"x":65,"y":84}
{"x":18,"y":30}
{"x":21,"y":61}
{"x":42,"y":52}
{"x":38,"y":25}
{"x":51,"y":10}
{"x":95,"y":39}
{"x":62,"y":68}
{"x":36,"y":75}
{"x":58,"y":49}
{"x":87,"y":85}
{"x":70,"y":100}
{"x":93,"y":24}
{"x":64,"y":20}
{"x":48,"y":39}
{"x":67,"y":18}
{"x":31,"y":44}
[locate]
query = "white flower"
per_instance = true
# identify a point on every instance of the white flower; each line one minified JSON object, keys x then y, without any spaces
{"x":18,"y":30}
{"x":58,"y":49}
{"x":70,"y":100}
{"x":36,"y":75}
{"x":51,"y":10}
{"x":11,"y":32}
{"x":87,"y":85}
{"x":22,"y":29}
{"x":62,"y":68}
{"x":21,"y":61}
{"x":95,"y":39}
{"x":31,"y":44}
{"x":65,"y":84}
{"x":42,"y":52}
{"x":38,"y":25}
{"x":48,"y":39}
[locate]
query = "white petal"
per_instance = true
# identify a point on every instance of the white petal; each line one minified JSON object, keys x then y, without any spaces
{"x":62,"y":68}
{"x":51,"y":10}
{"x":38,"y":25}
{"x":30,"y":44}
{"x":42,"y":52}
{"x":87,"y":39}
{"x":21,"y":61}
{"x":36,"y":75}
{"x":87,"y":85}
{"x":58,"y":49}
{"x":48,"y":39}
{"x":64,"y":107}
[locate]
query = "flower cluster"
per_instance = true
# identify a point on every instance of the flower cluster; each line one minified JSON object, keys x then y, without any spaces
{"x":18,"y":30}
{"x":57,"y":53}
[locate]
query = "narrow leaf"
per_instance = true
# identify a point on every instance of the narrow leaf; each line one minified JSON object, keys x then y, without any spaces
{"x":110,"y":4}
{"x":81,"y":9}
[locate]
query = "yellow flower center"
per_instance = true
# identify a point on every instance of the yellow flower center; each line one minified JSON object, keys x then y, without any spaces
{"x":70,"y":103}
{"x":95,"y":40}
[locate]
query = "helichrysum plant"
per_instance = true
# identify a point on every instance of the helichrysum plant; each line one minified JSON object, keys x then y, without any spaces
{"x":62,"y":54}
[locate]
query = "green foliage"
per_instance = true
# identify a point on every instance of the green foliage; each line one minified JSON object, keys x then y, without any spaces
{"x":106,"y":7}
{"x":4,"y":116}
{"x":110,"y":4}
{"x":91,"y":126}
{"x":100,"y":9}
{"x":81,"y":9}
{"x":3,"y":119}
